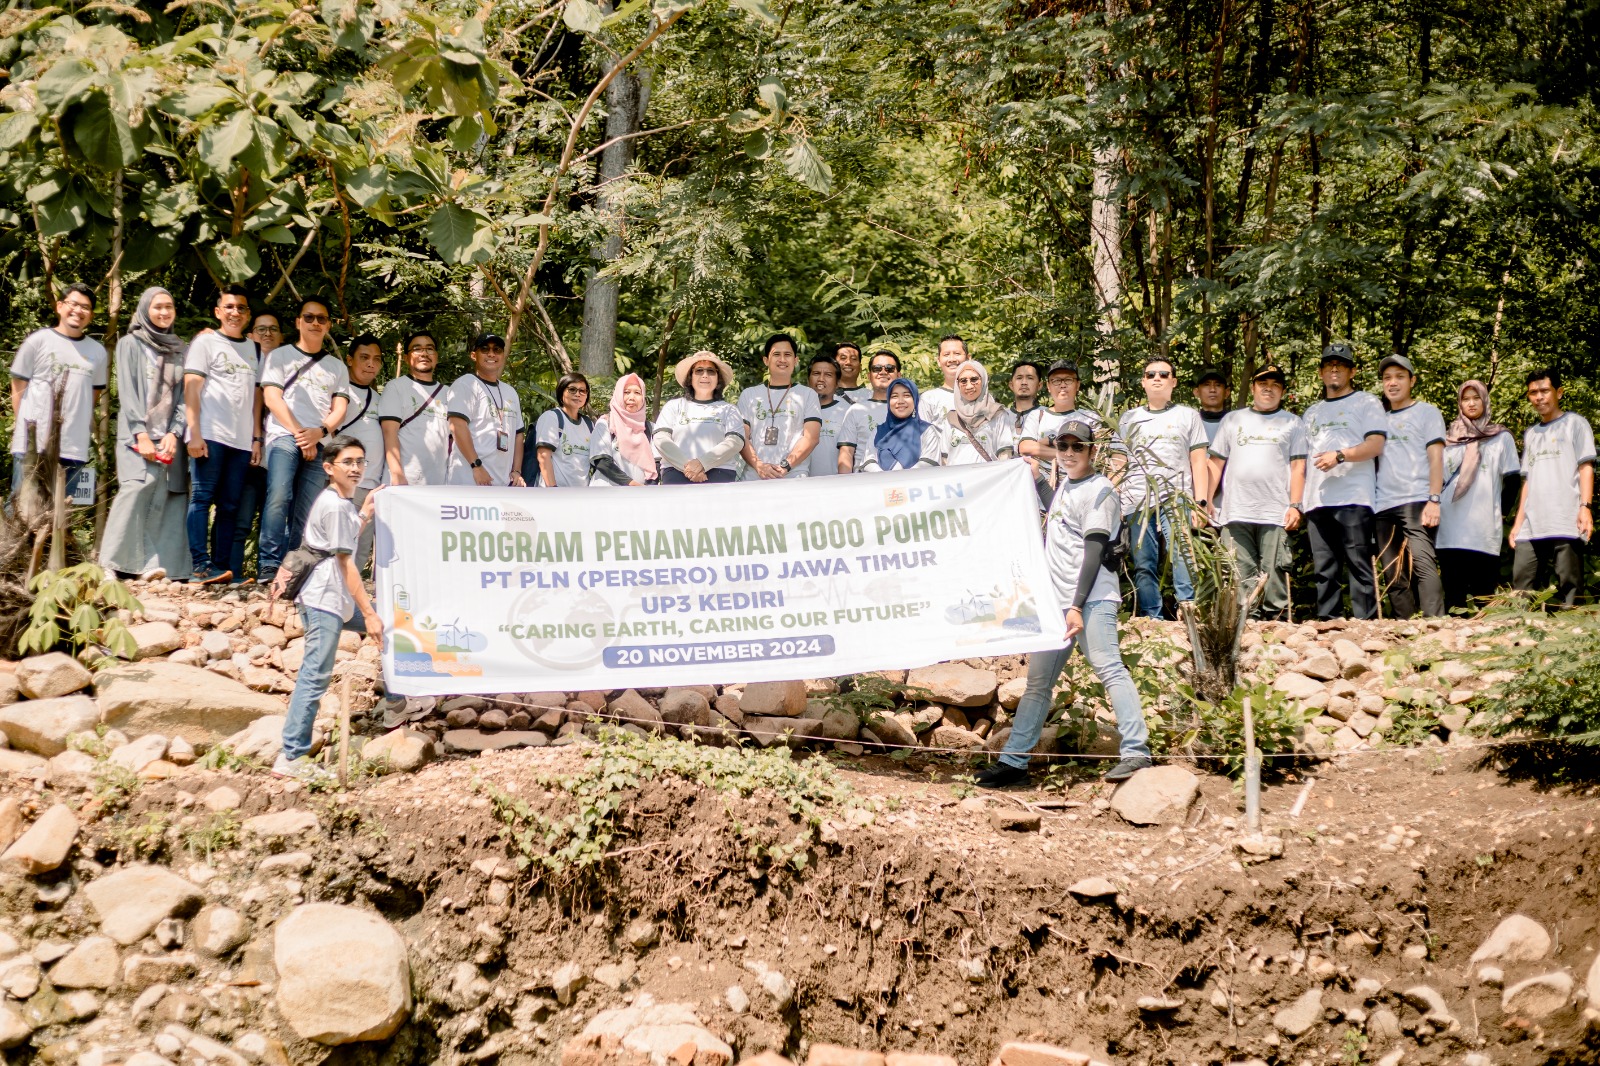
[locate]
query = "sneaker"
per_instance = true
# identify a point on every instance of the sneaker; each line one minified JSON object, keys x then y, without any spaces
{"x":1128,"y":767}
{"x":209,"y":576}
{"x":399,"y":710}
{"x":301,"y":769}
{"x":155,"y":573}
{"x":1001,"y":775}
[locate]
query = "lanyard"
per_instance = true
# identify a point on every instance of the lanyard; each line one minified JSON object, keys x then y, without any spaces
{"x":497,"y":398}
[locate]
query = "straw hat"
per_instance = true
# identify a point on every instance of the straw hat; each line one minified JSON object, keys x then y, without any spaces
{"x":686,"y":364}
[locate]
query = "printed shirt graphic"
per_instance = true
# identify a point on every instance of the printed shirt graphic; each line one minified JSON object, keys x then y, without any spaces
{"x":1158,"y":445}
{"x":1403,"y":474}
{"x":311,"y":396}
{"x":934,"y":404}
{"x":1332,"y":425}
{"x":996,"y":436}
{"x":493,"y":413}
{"x":1081,"y":508}
{"x":228,"y":397}
{"x":361,"y":422}
{"x":824,"y":458}
{"x":785,"y":407}
{"x":332,"y":526}
{"x":1258,"y":449}
{"x":569,"y":441}
{"x":698,"y":427}
{"x":1552,"y":452}
{"x":425,"y":440}
{"x":43,"y":359}
{"x":1474,"y":523}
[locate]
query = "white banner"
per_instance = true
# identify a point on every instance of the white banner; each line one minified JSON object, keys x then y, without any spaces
{"x":486,"y":590}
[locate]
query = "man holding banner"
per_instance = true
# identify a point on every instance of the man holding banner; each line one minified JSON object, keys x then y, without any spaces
{"x":1084,"y":519}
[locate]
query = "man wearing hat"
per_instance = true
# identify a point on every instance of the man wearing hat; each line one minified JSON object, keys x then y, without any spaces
{"x":1211,"y":393}
{"x":1037,"y":441}
{"x":1345,"y":432}
{"x":1261,"y":452}
{"x":1410,"y":479}
{"x":1085,"y":519}
{"x":485,"y":420}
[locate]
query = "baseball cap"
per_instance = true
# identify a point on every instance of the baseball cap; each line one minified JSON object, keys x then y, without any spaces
{"x":1397,"y":360}
{"x":1209,"y":373}
{"x":1339,"y":353}
{"x":1271,"y":372}
{"x":1077,"y":428}
{"x":485,"y":340}
{"x":1063,"y":364}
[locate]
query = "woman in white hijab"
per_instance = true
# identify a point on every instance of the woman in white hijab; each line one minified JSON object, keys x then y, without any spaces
{"x":977,"y":429}
{"x":145,"y":535}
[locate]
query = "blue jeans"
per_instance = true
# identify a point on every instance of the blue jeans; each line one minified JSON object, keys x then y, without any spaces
{"x":1099,"y":642}
{"x":322,"y":641}
{"x":215,"y":481}
{"x":292,"y":486}
{"x":255,"y":490}
{"x":74,"y":469}
{"x":1150,"y":535}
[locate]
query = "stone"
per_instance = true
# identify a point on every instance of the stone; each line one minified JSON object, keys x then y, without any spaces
{"x":839,"y":724}
{"x":1091,"y":889}
{"x":493,"y":720}
{"x":770,"y":731}
{"x":656,"y":1032}
{"x":1383,"y":1026}
{"x":218,"y":931}
{"x":12,"y":825}
{"x":216,"y":645}
{"x":1362,"y":724}
{"x":151,"y":639}
{"x":94,"y":963}
{"x":402,"y":750}
{"x":281,"y":824}
{"x":271,"y":636}
{"x":22,"y":763}
{"x":1013,"y":820}
{"x":685,"y":706}
{"x":174,"y":700}
{"x":461,"y":718}
{"x":1493,"y":976}
{"x":1538,"y":997}
{"x":10,"y":690}
{"x":44,"y":677}
{"x":1591,"y":985}
{"x":950,"y":736}
{"x":20,"y":978}
{"x":343,"y":974}
{"x":907,"y":1058}
{"x":1298,"y":686}
{"x":1517,"y":938}
{"x":132,"y":900}
{"x":738,"y":999}
{"x":956,"y":684}
{"x":1320,"y":665}
{"x":73,"y":769}
{"x":472,"y":742}
{"x":1298,"y":1017}
{"x":140,"y":972}
{"x":14,"y":1027}
{"x":45,"y":844}
{"x":42,"y":726}
{"x":1346,"y":739}
{"x":894,"y":732}
{"x":289,"y":864}
{"x":615,"y":975}
{"x":774,"y":699}
{"x":1020,"y":1053}
{"x":1010,"y":692}
{"x":221,"y":798}
{"x":1352,"y":659}
{"x":1157,"y":795}
{"x":137,"y":754}
{"x":629,"y":706}
{"x":566,"y":982}
{"x":1431,"y":1004}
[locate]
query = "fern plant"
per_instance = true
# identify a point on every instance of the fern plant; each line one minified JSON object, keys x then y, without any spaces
{"x":75,"y":608}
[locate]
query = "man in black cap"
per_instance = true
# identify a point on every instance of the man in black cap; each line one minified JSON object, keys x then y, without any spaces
{"x":1410,"y":479}
{"x":1211,"y":393}
{"x":486,"y":420}
{"x":1345,"y":433}
{"x":1261,"y":450}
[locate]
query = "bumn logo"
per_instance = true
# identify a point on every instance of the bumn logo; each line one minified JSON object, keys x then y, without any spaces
{"x":462,"y":513}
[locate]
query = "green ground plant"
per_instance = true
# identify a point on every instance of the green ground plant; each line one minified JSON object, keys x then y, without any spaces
{"x":74,"y":609}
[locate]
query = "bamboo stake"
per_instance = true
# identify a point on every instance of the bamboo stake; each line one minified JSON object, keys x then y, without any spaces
{"x":344,"y":731}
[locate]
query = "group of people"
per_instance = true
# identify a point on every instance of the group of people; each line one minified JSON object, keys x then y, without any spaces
{"x":236,"y":423}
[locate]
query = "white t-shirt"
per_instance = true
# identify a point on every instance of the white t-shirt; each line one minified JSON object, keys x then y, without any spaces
{"x":1078,"y":509}
{"x":493,"y":413}
{"x":824,"y":458}
{"x":996,"y":435}
{"x":1552,"y":452}
{"x":228,"y":397}
{"x":1334,"y":425}
{"x":1043,"y":424}
{"x":1020,"y":422}
{"x":698,"y":427}
{"x":425,"y":439}
{"x":361,"y":422}
{"x":44,"y":358}
{"x":867,"y":460}
{"x":934,"y":404}
{"x":1158,"y":445}
{"x":1258,"y":449}
{"x":1474,"y":522}
{"x":569,"y":441}
{"x":1403,"y":472}
{"x":859,"y":394}
{"x":784,"y":408}
{"x":333,"y":525}
{"x":603,"y":446}
{"x":1212,"y":421}
{"x":312,"y":394}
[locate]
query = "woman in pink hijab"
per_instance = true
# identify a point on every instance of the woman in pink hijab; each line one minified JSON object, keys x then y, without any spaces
{"x":620,"y":452}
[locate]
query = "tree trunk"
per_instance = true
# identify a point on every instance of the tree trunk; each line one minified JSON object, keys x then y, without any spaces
{"x":1105,"y":235}
{"x":108,"y":462}
{"x":625,"y":103}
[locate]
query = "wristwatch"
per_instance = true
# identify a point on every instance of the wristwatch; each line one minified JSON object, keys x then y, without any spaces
{"x":1433,"y":498}
{"x":476,"y":463}
{"x":1338,"y":456}
{"x":1296,"y":507}
{"x":786,"y":467}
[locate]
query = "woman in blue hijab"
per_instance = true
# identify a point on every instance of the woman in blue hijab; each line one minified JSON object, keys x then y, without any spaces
{"x":904,"y":440}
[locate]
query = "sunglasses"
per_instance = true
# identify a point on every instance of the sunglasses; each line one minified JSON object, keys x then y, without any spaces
{"x":884,"y":368}
{"x":1071,"y":444}
{"x":969,"y":381}
{"x":314,"y":320}
{"x":492,"y":348}
{"x":1152,"y":375}
{"x":706,"y":370}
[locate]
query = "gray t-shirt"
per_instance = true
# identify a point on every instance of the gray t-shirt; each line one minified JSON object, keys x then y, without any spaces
{"x":493,"y":413}
{"x":777,"y":413}
{"x":1403,"y":473}
{"x":569,"y":443}
{"x":425,"y":439}
{"x":332,"y":526}
{"x":1078,"y":509}
{"x":934,"y":404}
{"x":697,"y":427}
{"x":1258,"y":449}
{"x":824,"y":458}
{"x":311,"y":395}
{"x":1334,"y":425}
{"x":45,"y":358}
{"x":1474,"y":523}
{"x":1158,"y":445}
{"x":228,"y":396}
{"x":1552,"y":453}
{"x":361,"y":422}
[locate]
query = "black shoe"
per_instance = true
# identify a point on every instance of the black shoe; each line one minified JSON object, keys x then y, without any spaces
{"x":209,"y":577}
{"x":1128,"y":767}
{"x":1001,"y":775}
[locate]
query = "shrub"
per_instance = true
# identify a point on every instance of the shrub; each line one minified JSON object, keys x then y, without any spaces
{"x":1552,"y":686}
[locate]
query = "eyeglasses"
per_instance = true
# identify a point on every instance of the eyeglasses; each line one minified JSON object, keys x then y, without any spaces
{"x":883,"y":368}
{"x":1066,"y":444}
{"x":79,"y":305}
{"x":417,"y":349}
{"x":350,"y":464}
{"x":265,"y":329}
{"x":705,"y":370}
{"x":314,"y":320}
{"x":1152,"y":375}
{"x":969,"y":381}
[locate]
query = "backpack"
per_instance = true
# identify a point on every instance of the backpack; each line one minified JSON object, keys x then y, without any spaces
{"x":294,"y":572}
{"x":1118,"y":549}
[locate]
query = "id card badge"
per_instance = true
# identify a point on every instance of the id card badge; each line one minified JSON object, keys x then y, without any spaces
{"x":502,"y":441}
{"x":771,"y":436}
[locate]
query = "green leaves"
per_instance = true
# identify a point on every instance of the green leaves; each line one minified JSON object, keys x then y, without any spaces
{"x":220,"y":144}
{"x":460,"y":236}
{"x":64,"y":84}
{"x":583,"y":16}
{"x":807,"y":167}
{"x":103,"y":136}
{"x":234,"y":259}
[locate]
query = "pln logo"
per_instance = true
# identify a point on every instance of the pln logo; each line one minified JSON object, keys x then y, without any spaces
{"x":894,"y":497}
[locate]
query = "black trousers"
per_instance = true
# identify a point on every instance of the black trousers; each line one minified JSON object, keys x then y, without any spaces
{"x":1535,"y":560}
{"x":1410,"y":568}
{"x":1467,"y":576}
{"x":1341,"y":551}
